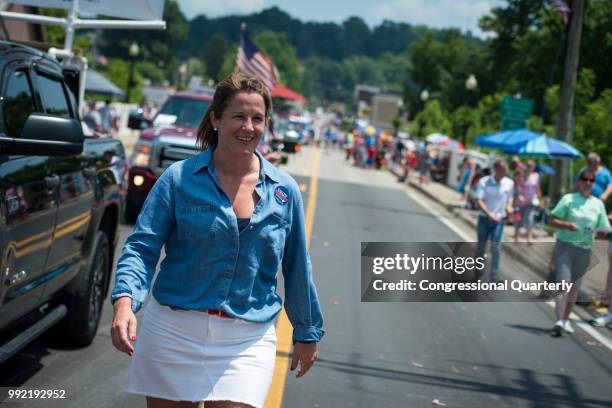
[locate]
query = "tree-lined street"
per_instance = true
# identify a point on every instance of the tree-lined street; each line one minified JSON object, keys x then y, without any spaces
{"x":399,"y":128}
{"x":382,"y":354}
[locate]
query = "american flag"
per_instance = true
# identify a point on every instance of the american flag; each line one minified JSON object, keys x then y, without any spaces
{"x":251,"y":61}
{"x":562,"y":8}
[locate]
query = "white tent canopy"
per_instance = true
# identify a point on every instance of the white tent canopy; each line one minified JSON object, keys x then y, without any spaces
{"x":130,"y":9}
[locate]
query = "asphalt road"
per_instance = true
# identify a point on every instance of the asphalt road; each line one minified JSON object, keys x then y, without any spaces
{"x":410,"y":354}
{"x":375,"y":354}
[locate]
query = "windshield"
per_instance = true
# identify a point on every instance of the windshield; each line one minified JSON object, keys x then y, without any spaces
{"x":188,"y":112}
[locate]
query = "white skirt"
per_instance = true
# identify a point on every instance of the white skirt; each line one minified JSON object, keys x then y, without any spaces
{"x":184,"y":355}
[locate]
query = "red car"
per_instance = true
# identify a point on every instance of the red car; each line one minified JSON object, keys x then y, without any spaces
{"x":171,"y":138}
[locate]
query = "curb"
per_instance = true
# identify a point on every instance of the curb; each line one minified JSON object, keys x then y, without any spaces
{"x":536,"y":262}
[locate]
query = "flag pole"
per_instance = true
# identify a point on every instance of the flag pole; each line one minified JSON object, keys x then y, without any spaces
{"x":242,"y":28}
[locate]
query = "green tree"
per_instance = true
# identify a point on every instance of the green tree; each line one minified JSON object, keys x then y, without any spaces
{"x":432,"y":119}
{"x":326,"y":80}
{"x":463,"y":119}
{"x":596,"y":44}
{"x":229,"y":64}
{"x":158,"y":46}
{"x":508,"y":23}
{"x":528,"y":45}
{"x":593,"y":131}
{"x":395,"y":70}
{"x":214,"y":53}
{"x":118,"y":72}
{"x":487,"y":118}
{"x":442,"y":66}
{"x":150,"y":71}
{"x":428,"y":61}
{"x":326,"y":40}
{"x":363,"y":70}
{"x":585,"y":93}
{"x":56,"y":35}
{"x":356,"y":36}
{"x":394,"y":37}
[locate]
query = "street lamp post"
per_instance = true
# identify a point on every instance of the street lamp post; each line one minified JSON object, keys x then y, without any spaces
{"x":182,"y":71}
{"x":471,"y":84}
{"x":134,"y":50}
{"x":424,"y":98}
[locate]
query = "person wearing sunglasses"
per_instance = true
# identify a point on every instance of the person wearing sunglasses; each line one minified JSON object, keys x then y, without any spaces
{"x":577,"y":216}
{"x":602,"y":187}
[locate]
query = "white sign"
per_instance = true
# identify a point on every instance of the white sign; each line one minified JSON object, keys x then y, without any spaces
{"x":130,"y":9}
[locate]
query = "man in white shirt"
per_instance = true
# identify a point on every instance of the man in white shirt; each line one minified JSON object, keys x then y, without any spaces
{"x":494,"y":197}
{"x":108,"y":119}
{"x":92,"y":118}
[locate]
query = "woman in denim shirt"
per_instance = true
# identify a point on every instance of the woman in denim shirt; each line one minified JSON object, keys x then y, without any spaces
{"x":228,"y":220}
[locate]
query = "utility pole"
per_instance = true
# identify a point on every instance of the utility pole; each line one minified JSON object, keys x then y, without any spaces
{"x":568,"y":88}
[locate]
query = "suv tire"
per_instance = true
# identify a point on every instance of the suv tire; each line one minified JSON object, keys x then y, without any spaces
{"x":85,"y":296}
{"x":131,"y":210}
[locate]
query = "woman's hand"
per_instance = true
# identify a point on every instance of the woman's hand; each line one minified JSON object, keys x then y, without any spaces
{"x":559,"y":223}
{"x":571,"y":226}
{"x":123,"y":329}
{"x":306,"y":355}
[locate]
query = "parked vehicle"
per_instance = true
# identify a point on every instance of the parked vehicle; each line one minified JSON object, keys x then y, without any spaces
{"x":60,"y":200}
{"x":287,"y":138}
{"x":171,"y":138}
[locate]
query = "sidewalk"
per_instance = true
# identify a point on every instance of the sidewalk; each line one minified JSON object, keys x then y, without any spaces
{"x":536,"y":257}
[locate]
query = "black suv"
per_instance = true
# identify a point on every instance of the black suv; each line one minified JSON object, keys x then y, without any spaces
{"x":60,"y":200}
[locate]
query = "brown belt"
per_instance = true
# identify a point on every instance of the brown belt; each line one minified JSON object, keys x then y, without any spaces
{"x":220,"y":313}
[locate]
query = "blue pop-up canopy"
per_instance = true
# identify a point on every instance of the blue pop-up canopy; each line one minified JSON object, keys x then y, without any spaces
{"x":543,"y":146}
{"x":506,"y":138}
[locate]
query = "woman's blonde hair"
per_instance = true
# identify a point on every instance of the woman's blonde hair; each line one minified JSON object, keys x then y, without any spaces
{"x":226,"y":89}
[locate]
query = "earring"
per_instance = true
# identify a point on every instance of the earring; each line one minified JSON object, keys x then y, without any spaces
{"x":215,"y":129}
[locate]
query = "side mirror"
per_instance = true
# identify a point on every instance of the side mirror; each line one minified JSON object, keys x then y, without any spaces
{"x":46,"y":136}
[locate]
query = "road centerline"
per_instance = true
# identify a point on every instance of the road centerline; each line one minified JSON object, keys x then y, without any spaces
{"x":283,"y":327}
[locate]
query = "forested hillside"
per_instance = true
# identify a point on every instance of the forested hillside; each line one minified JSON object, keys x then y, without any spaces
{"x":523,"y":52}
{"x":321,"y":60}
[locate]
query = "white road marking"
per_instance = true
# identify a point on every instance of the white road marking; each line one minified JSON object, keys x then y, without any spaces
{"x":427,"y":206}
{"x":577,"y":320}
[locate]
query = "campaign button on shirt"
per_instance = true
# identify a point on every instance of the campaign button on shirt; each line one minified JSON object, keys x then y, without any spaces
{"x":281,"y":194}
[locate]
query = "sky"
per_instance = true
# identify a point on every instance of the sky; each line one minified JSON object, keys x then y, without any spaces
{"x":463,"y":14}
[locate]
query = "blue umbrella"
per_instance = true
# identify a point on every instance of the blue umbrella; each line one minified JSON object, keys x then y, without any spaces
{"x":543,"y":146}
{"x":507,"y":138}
{"x":543,"y":168}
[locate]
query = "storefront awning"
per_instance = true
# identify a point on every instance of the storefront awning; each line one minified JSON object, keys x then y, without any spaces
{"x":97,"y":84}
{"x":281,"y":91}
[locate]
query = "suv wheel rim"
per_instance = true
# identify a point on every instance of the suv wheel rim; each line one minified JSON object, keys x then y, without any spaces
{"x":95,"y":298}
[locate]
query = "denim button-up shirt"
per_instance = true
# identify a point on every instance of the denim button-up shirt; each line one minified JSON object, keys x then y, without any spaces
{"x":209,"y":263}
